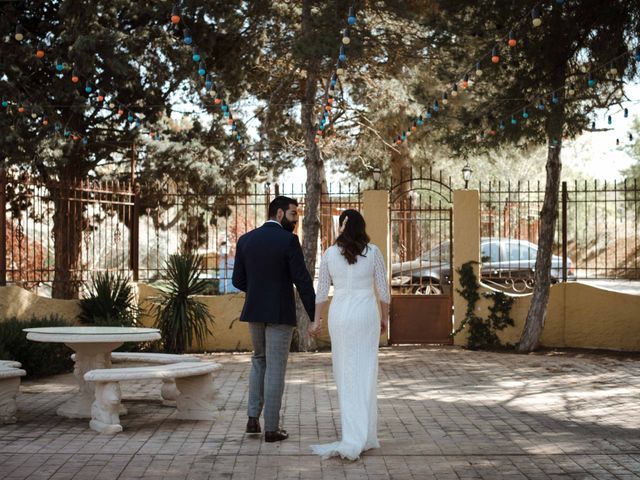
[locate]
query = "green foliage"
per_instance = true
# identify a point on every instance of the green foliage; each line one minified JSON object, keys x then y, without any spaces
{"x":39,"y":359}
{"x":110,"y":301}
{"x":179,"y":316}
{"x":482,"y":333}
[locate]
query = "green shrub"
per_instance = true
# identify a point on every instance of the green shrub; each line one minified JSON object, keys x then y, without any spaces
{"x":39,"y":359}
{"x":179,"y":316}
{"x":110,"y":301}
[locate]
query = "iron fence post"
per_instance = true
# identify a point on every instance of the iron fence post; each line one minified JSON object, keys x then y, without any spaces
{"x":564,"y":231}
{"x":134,"y":243}
{"x":3,"y":227}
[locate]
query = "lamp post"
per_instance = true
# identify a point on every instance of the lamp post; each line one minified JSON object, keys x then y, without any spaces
{"x":466,"y":175}
{"x":376,"y":177}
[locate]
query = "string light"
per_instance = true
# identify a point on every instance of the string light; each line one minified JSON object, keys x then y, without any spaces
{"x":495,"y":55}
{"x":175,"y":15}
{"x":19,"y":35}
{"x":536,"y":20}
{"x":512,"y":39}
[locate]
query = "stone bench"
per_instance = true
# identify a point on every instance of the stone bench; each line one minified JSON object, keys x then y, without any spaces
{"x":169,"y":390}
{"x":194,"y":382}
{"x":10,"y":374}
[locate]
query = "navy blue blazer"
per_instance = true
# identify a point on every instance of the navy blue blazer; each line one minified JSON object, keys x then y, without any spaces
{"x":268,"y":263}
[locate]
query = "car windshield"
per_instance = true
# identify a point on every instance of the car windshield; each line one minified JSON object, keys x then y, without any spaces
{"x":438,"y":254}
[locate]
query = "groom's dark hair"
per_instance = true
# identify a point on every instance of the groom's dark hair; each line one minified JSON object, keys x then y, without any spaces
{"x":280,"y":203}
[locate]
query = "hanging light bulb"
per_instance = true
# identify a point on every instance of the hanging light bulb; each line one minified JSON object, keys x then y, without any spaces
{"x":346,"y":39}
{"x":428,"y":113}
{"x":45,"y":121}
{"x":196,"y":56}
{"x":224,"y":106}
{"x":454,"y":90}
{"x":479,"y":71}
{"x":572,"y":90}
{"x":208,"y":82}
{"x":34,"y":115}
{"x":420,"y":121}
{"x":5,"y":104}
{"x":217,"y":100}
{"x":536,"y":20}
{"x":501,"y":125}
{"x":100,"y":97}
{"x":593,"y":126}
{"x":591,"y":81}
{"x":121,"y":110}
{"x":495,"y":55}
{"x":339,"y":70}
{"x":20,"y":108}
{"x":59,"y":65}
{"x":202,"y":68}
{"x":74,"y":77}
{"x":525,"y":113}
{"x":465,"y":81}
{"x":445,"y":98}
{"x":85,"y":140}
{"x":66,"y":132}
{"x":40,"y":50}
{"x":436,"y":106}
{"x":613,"y":71}
{"x":540,"y":104}
{"x":617,"y":141}
{"x":57,"y":127}
{"x":514,"y":120}
{"x":175,"y":15}
{"x":636,"y":55}
{"x":554,"y":98}
{"x":130,"y":117}
{"x":626,"y":112}
{"x":351,"y":19}
{"x":609,"y":120}
{"x":19,"y":36}
{"x":187,"y":38}
{"x":112,"y":105}
{"x":414,"y":127}
{"x":512,"y":39}
{"x":342,"y":56}
{"x":88,"y":88}
{"x":630,"y":137}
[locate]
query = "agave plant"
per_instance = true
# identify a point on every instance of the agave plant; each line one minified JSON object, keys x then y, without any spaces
{"x":109,"y":301}
{"x":179,"y":316}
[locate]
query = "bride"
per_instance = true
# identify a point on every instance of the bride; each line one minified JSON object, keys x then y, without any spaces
{"x":354,"y":266}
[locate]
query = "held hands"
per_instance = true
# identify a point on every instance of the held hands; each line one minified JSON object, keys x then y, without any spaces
{"x":314,"y":328}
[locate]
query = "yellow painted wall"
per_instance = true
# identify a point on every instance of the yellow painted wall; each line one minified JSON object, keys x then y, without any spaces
{"x":466,"y":247}
{"x":578,"y":315}
{"x":229,"y":333}
{"x":18,"y":302}
{"x":375,"y":210}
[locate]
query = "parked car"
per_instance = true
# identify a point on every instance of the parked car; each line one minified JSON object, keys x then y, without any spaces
{"x":502,"y":259}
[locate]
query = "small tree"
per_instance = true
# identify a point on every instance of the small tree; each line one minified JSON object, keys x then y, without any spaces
{"x":180,"y":317}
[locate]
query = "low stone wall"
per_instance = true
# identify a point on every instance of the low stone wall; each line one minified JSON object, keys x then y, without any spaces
{"x":578,"y":316}
{"x":18,"y":302}
{"x":229,"y":333}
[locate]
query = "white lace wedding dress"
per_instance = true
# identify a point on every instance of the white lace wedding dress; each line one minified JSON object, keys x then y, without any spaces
{"x":354,"y":326}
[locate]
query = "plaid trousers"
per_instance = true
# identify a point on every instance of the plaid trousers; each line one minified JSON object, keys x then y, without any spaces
{"x":271,"y":342}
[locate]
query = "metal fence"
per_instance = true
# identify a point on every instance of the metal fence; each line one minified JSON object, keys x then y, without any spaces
{"x":596,"y":234}
{"x":109,"y":226}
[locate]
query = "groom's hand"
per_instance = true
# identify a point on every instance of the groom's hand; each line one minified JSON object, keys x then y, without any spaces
{"x":384,"y":326}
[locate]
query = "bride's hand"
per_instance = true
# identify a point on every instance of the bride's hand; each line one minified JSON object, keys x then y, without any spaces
{"x":384,"y":325}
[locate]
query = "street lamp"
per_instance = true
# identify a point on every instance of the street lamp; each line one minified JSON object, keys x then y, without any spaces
{"x":466,"y":175}
{"x":376,"y":177}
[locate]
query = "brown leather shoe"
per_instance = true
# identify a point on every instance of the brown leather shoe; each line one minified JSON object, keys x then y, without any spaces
{"x":253,"y":425}
{"x":276,"y":436}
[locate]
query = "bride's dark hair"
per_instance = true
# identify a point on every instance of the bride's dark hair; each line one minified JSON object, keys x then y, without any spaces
{"x":353,"y":239}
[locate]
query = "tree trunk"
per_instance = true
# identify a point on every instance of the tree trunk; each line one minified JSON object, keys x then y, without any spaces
{"x":315,"y":170}
{"x":530,"y":338}
{"x":534,"y":325}
{"x":68,"y":225}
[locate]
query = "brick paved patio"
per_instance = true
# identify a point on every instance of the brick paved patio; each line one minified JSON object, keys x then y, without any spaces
{"x":445,"y":413}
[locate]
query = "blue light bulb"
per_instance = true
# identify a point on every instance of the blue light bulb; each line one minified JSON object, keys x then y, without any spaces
{"x":188,"y":39}
{"x":351,"y":19}
{"x":513,"y":120}
{"x":525,"y":113}
{"x":342,"y":57}
{"x":196,"y":57}
{"x":5,"y":104}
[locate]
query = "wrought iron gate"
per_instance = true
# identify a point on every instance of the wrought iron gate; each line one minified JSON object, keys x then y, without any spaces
{"x":421,"y":260}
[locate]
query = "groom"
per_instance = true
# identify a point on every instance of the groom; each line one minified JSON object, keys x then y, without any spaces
{"x":268,"y":263}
